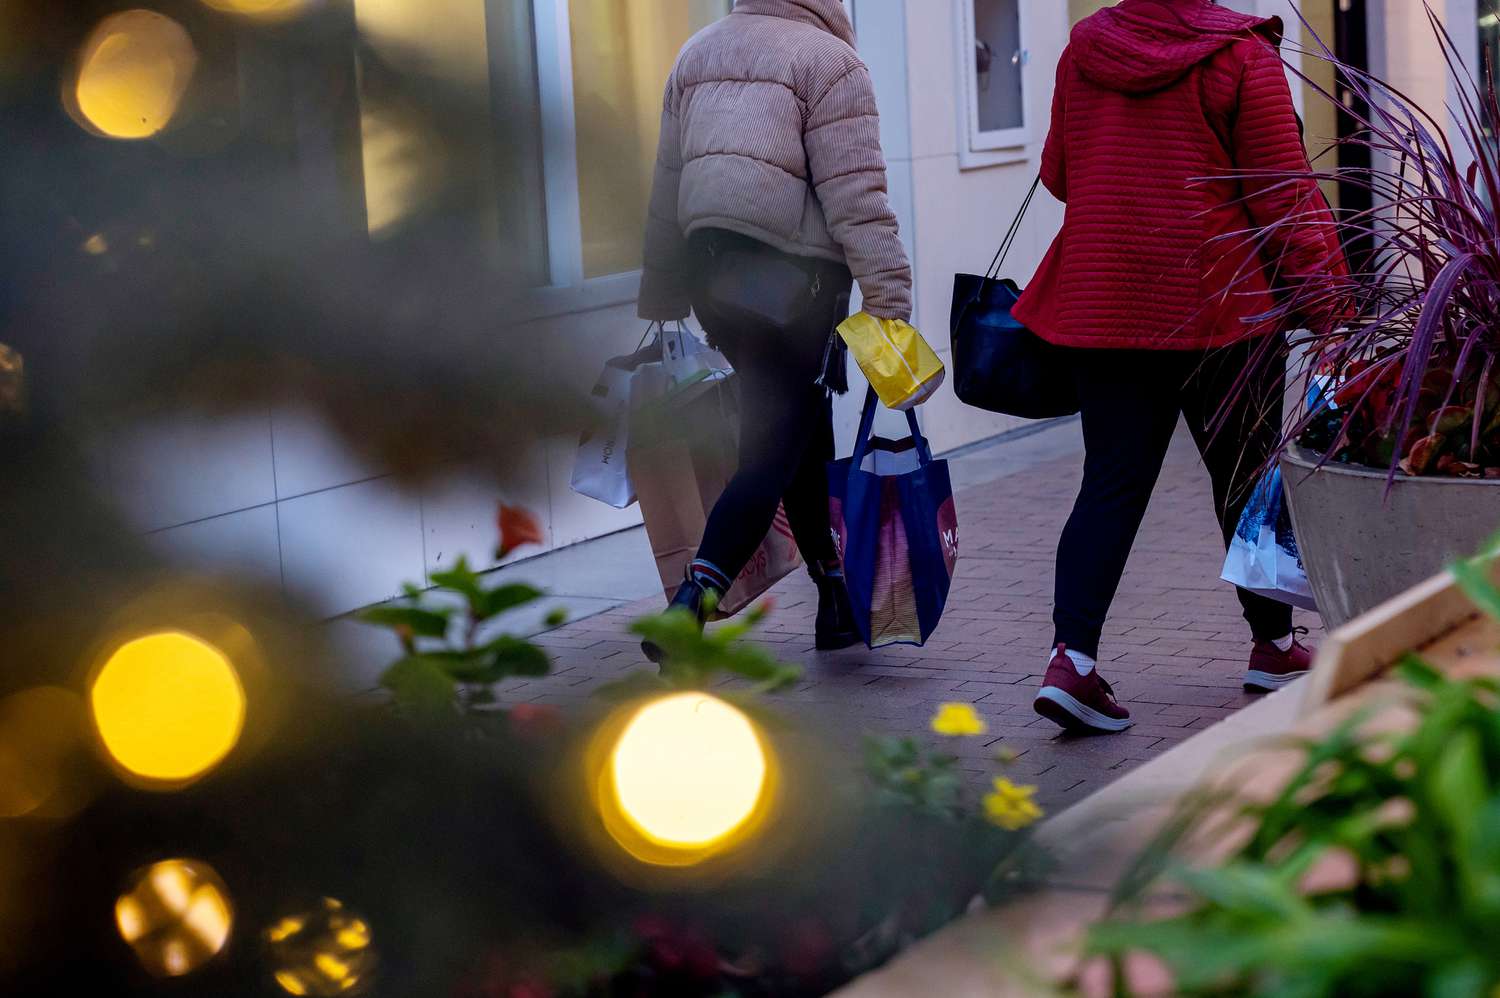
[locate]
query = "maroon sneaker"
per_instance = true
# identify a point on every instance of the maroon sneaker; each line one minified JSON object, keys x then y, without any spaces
{"x":1078,"y":703}
{"x":1271,"y":668}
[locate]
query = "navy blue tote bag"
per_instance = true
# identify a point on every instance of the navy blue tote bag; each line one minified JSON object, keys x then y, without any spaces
{"x":892,"y":510}
{"x":999,"y":364}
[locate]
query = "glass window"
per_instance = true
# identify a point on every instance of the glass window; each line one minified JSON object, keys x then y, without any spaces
{"x":622,"y":51}
{"x":515,"y":101}
{"x":449,"y":126}
{"x":998,"y":60}
{"x":994,"y":56}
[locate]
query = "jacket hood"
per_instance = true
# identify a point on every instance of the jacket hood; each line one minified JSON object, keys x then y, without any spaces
{"x":1145,"y":45}
{"x":828,"y":15}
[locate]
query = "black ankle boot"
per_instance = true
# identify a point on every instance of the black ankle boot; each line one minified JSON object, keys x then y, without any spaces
{"x":692,"y":596}
{"x":835,"y":626}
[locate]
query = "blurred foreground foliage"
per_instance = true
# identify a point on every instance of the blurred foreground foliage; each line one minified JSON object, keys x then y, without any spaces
{"x":223,"y":268}
{"x":1374,"y":871}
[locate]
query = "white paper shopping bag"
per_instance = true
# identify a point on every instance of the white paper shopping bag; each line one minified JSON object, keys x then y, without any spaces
{"x":600,"y":471}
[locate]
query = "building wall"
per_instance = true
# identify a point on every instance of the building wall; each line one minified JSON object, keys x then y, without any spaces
{"x":1405,"y":51}
{"x":960,"y":214}
{"x":276,"y":493}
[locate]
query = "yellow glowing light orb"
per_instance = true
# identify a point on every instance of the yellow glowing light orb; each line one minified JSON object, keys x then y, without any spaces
{"x":168,"y":707}
{"x":132,"y":74}
{"x":688,"y":771}
{"x":176,"y":916}
{"x":325,"y":951}
{"x":262,"y":10}
{"x":39,"y":729}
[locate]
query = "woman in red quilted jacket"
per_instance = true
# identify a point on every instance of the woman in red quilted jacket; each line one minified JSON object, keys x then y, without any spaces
{"x":1154,"y":287}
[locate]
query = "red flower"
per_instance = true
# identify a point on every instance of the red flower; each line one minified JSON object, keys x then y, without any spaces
{"x":650,"y":927}
{"x":518,"y":526}
{"x":530,"y":989}
{"x":534,"y":719}
{"x":809,"y":948}
{"x":674,"y":950}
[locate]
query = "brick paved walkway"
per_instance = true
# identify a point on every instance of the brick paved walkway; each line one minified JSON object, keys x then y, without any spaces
{"x":1174,"y":648}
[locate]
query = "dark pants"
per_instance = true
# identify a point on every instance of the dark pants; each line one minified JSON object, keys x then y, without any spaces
{"x":786,"y":428}
{"x":1131,"y":401}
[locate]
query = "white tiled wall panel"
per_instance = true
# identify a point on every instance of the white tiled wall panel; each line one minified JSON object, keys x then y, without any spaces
{"x":459,"y":511}
{"x":351,"y":546}
{"x":185,"y":466}
{"x":311,"y":456}
{"x":243,"y":543}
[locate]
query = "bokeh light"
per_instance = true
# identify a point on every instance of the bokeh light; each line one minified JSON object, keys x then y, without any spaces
{"x":168,"y":707}
{"x":402,"y":166}
{"x":262,"y":10}
{"x":12,"y":381}
{"x":176,"y":916}
{"x":40,"y":730}
{"x":325,"y":951}
{"x":132,"y":74}
{"x":687,"y":774}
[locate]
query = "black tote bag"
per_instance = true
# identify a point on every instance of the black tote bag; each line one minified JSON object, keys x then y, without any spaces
{"x":999,"y":364}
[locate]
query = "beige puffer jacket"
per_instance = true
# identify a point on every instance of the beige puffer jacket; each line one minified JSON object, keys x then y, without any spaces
{"x":769,"y":129}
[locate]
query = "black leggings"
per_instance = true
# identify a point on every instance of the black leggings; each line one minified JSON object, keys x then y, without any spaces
{"x":1131,"y":401}
{"x":786,"y":442}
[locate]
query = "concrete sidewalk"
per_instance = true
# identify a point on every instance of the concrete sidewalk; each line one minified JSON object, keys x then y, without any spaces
{"x":1174,"y":649}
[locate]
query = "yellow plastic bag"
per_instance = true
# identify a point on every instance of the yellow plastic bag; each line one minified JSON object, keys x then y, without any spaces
{"x":902,"y":368}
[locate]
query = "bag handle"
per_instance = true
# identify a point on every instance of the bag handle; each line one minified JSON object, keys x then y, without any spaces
{"x":658,"y":329}
{"x":867,"y":425}
{"x":992,"y":272}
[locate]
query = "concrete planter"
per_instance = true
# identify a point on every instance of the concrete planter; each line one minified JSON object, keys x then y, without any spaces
{"x":1362,"y":547}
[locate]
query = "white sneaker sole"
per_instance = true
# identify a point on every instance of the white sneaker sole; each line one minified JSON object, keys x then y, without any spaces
{"x":1270,"y":682}
{"x":1082,"y":712}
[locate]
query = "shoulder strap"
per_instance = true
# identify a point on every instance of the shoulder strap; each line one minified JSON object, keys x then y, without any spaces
{"x":993,"y":271}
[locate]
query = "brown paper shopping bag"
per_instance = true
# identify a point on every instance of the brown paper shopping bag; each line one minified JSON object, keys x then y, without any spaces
{"x":680,"y":468}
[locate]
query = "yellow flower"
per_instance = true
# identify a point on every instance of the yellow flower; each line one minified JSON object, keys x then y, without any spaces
{"x":1010,"y":806}
{"x":957,"y":719}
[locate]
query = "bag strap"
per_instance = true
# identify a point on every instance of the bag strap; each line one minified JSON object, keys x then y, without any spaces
{"x":993,"y":271}
{"x":658,"y":329}
{"x":867,"y":425}
{"x":653,"y":329}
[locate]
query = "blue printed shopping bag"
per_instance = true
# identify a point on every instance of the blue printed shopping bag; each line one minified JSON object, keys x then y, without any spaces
{"x":1263,"y":555}
{"x":892,"y":510}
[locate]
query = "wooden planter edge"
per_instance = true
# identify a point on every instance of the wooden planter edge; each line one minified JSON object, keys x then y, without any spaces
{"x":1369,"y":645}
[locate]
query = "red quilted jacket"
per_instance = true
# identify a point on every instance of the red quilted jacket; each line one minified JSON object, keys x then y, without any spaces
{"x":1164,"y":114}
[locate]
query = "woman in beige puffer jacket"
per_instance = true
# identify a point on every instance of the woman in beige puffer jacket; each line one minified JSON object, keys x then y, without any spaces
{"x":769,"y":201}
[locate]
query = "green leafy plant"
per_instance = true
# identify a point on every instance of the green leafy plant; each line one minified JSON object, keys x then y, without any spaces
{"x":447,"y":663}
{"x":695,"y":657}
{"x":906,"y":774}
{"x":1375,"y":871}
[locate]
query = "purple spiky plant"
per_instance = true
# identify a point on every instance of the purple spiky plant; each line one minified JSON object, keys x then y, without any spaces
{"x":1408,"y":338}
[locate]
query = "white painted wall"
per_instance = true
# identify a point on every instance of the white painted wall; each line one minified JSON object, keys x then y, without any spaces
{"x":1405,"y":51}
{"x":961,"y":214}
{"x":277,"y":495}
{"x":1287,"y":11}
